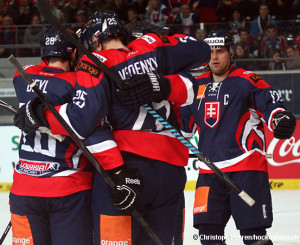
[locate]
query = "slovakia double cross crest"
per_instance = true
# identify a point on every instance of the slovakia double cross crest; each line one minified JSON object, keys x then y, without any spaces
{"x":212,"y":113}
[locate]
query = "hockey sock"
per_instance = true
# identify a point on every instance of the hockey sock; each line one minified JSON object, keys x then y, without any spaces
{"x":256,"y":236}
{"x":212,"y":234}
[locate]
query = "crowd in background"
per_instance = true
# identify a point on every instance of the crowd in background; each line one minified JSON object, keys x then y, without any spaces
{"x":267,"y":29}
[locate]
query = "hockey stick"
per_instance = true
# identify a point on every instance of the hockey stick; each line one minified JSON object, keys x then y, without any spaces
{"x":44,"y":9}
{"x":14,"y":110}
{"x":79,"y":143}
{"x":43,"y":129}
{"x":8,"y":107}
{"x":5,"y":233}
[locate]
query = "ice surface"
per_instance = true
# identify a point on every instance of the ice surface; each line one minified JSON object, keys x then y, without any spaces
{"x":285,"y":230}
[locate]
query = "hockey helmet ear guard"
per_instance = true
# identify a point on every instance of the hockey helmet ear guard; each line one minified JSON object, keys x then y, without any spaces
{"x":54,"y":44}
{"x":220,"y":38}
{"x":102,"y":25}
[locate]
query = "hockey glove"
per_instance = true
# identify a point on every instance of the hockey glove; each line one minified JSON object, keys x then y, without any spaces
{"x":284,"y":124}
{"x":126,"y":193}
{"x":143,"y":89}
{"x":31,"y":116}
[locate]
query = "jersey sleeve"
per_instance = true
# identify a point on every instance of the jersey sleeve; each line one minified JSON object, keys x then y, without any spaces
{"x":178,"y":53}
{"x":182,"y":92}
{"x":264,"y":99}
{"x":187,"y":123}
{"x":103,"y":147}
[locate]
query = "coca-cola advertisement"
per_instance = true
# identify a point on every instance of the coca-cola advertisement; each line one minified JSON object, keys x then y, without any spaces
{"x":284,"y":160}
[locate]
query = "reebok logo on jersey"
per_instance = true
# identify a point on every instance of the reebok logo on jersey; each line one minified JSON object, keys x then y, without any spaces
{"x":132,"y":181}
{"x":29,"y":116}
{"x":88,"y":68}
{"x":155,"y":83}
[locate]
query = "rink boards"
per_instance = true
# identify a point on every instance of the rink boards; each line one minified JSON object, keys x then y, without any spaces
{"x":283,"y":160}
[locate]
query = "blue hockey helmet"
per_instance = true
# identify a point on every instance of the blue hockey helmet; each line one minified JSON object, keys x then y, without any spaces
{"x":219,"y":38}
{"x":55,"y":45}
{"x":103,"y":25}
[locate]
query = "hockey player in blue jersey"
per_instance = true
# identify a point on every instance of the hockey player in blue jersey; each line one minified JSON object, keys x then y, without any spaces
{"x":229,"y":110}
{"x":144,"y":143}
{"x":51,"y":193}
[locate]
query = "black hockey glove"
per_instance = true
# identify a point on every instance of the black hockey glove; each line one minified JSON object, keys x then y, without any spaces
{"x":143,"y":89}
{"x":126,"y":193}
{"x":30,"y":117}
{"x":284,"y":124}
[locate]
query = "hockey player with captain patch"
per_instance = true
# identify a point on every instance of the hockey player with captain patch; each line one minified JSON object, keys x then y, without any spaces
{"x":229,"y":109}
{"x":153,"y":157}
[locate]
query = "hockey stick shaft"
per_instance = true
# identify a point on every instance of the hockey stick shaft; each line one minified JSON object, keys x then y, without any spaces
{"x":44,"y":8}
{"x":8,"y":107}
{"x":5,"y":233}
{"x":79,"y":143}
{"x":45,"y":130}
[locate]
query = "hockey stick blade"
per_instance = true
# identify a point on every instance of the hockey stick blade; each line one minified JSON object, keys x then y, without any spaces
{"x":79,"y":143}
{"x":44,"y":8}
{"x":5,"y":233}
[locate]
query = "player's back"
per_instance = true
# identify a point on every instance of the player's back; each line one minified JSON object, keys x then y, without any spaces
{"x":43,"y":156}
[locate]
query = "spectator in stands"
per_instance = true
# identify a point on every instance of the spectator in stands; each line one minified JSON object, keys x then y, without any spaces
{"x":294,"y":58}
{"x":276,"y":63}
{"x":120,"y":7}
{"x":33,"y":35}
{"x":3,"y":9}
{"x":132,"y":15}
{"x":249,"y":8}
{"x":200,"y":33}
{"x":297,"y":42}
{"x":224,"y":10}
{"x":185,"y":21}
{"x":249,"y":42}
{"x":140,"y":5}
{"x":241,"y":58}
{"x":207,"y":10}
{"x":156,"y":13}
{"x":235,"y":23}
{"x":295,"y":9}
{"x":272,"y":41}
{"x":55,"y":11}
{"x":70,"y":10}
{"x":7,"y":36}
{"x":97,"y":5}
{"x":81,"y":17}
{"x":281,"y":9}
{"x":260,"y":24}
{"x":26,"y":10}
